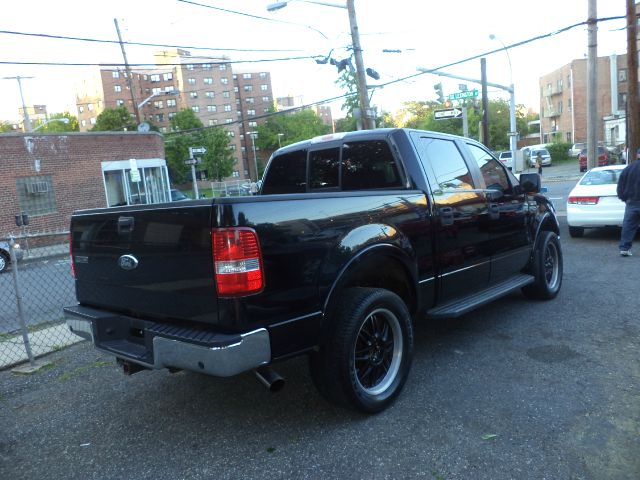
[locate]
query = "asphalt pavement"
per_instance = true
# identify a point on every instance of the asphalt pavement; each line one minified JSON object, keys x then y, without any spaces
{"x":519,"y":389}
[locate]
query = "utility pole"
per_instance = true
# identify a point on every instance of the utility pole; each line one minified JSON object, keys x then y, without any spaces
{"x":633,"y":109}
{"x":367,"y":116}
{"x":136,"y":110}
{"x":485,"y":102}
{"x":25,"y":113}
{"x":592,"y":84}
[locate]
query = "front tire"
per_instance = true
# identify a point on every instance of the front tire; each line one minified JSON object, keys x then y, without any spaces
{"x":366,"y":357}
{"x":547,"y":267}
{"x":4,"y":262}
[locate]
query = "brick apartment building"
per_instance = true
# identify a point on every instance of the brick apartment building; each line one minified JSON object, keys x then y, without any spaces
{"x":48,"y":176}
{"x":563,"y":101}
{"x":206,"y":85}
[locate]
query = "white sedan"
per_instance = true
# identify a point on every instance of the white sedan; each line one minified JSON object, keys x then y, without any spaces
{"x":593,"y":201}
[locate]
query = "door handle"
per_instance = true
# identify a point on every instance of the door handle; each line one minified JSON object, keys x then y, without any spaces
{"x":446,"y":215}
{"x":125,"y":225}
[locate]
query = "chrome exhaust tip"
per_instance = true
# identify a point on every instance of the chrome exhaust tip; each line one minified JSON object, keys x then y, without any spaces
{"x":269,"y":379}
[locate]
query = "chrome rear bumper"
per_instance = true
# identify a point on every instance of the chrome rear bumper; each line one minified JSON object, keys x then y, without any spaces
{"x":158,"y":346}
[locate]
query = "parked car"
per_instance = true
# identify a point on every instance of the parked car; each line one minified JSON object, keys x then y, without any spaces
{"x":593,"y":202}
{"x":605,"y":157}
{"x":575,"y":150}
{"x":5,"y":256}
{"x":178,"y":196}
{"x":506,"y":159}
{"x":544,"y":153}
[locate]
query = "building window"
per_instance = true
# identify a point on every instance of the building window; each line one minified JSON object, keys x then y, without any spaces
{"x":189,"y":66}
{"x":117,"y":88}
{"x":193,"y":94}
{"x":225,"y":94}
{"x":90,"y":107}
{"x":232,"y":148}
{"x":83,"y":123}
{"x":171,"y":115}
{"x":228,"y":120}
{"x":160,"y":117}
{"x":227,"y":108}
{"x":246,"y":76}
{"x":195,"y":108}
{"x":208,"y":81}
{"x":156,"y":90}
{"x":224,"y":80}
{"x":263,"y":74}
{"x":223,"y":67}
{"x":622,"y":101}
{"x":559,"y":85}
{"x":212,"y":108}
{"x":569,"y":104}
{"x":155,"y":77}
{"x":167,"y":76}
{"x":266,"y":99}
{"x":249,"y":100}
{"x":248,"y":88}
{"x":622,"y":75}
{"x":209,"y":94}
{"x":206,"y":66}
{"x":115,"y":74}
{"x":568,"y":137}
{"x":264,"y":87}
{"x":81,"y":108}
{"x":266,"y":110}
{"x":213,"y":122}
{"x":35,"y":195}
{"x":253,"y":124}
{"x":231,"y":134}
{"x":251,"y":112}
{"x":560,"y":107}
{"x":234,"y":76}
{"x":171,"y":102}
{"x":235,"y":173}
{"x":236,"y":89}
{"x":120,"y":102}
{"x":158,"y":104}
{"x":191,"y":81}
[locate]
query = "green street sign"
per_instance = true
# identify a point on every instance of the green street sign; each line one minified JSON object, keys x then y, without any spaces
{"x":461,"y":95}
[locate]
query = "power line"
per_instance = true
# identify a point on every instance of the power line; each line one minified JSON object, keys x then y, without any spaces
{"x":155,"y":65}
{"x":141,"y":44}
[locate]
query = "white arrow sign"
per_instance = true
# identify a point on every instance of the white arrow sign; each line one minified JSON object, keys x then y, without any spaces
{"x":448,"y":113}
{"x":198,"y":150}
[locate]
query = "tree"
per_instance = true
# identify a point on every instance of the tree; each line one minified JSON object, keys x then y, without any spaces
{"x":293,"y":127}
{"x":348,"y":81}
{"x":8,"y":127}
{"x":219,"y":159}
{"x":71,"y":126}
{"x":115,"y":119}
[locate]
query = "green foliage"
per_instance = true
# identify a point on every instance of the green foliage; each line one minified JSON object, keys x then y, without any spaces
{"x":53,"y":126}
{"x":294,"y":127}
{"x":219,"y":159}
{"x":185,"y":119}
{"x":115,"y":119}
{"x":8,"y":127}
{"x":559,"y":151}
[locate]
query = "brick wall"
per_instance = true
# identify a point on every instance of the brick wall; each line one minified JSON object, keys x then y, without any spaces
{"x":73,"y":161}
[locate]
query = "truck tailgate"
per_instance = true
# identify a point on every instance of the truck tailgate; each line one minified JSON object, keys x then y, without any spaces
{"x":150,"y":262}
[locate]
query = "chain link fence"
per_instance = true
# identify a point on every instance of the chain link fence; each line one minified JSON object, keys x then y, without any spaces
{"x":35,"y":283}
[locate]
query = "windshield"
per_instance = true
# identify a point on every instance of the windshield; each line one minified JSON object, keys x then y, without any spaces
{"x":601,"y":177}
{"x":542,"y":152}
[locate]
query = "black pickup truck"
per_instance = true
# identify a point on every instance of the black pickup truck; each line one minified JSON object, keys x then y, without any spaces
{"x":351,"y":238}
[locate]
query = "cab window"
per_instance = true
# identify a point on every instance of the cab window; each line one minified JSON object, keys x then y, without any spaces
{"x":493,"y":172}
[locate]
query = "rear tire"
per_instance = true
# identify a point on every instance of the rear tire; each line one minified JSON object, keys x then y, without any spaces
{"x":4,"y":262}
{"x":366,"y":357}
{"x":576,"y":232}
{"x":546,"y":268}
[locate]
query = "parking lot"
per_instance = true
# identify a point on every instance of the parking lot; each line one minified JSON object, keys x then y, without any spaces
{"x":517,"y":390}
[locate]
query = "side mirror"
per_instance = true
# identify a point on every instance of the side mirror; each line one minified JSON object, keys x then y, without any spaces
{"x":530,"y":182}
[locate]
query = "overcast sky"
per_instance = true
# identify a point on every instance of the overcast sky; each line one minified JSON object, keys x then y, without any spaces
{"x":428,"y":33}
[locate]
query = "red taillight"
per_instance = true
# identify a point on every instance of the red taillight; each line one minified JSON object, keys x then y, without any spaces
{"x":73,"y":262}
{"x":583,"y":200}
{"x":237,"y":261}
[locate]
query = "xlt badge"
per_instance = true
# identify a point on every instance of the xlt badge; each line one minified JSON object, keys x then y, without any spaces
{"x":127,"y":262}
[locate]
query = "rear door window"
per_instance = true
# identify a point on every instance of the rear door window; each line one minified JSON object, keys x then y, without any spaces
{"x":324,"y":169}
{"x":369,"y":165}
{"x":287,"y":174}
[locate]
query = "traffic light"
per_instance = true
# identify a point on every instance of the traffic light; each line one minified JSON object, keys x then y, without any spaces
{"x":438,"y":88}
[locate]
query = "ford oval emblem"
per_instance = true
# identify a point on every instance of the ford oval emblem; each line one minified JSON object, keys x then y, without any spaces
{"x":127,"y":262}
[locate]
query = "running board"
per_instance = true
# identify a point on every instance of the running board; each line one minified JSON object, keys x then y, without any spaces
{"x":459,"y":307}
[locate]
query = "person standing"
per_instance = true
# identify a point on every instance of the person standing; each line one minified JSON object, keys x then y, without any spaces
{"x":539,"y":163}
{"x":628,"y":191}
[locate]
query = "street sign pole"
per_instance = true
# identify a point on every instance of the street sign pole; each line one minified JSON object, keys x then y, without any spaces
{"x":465,"y":121}
{"x":193,"y":151}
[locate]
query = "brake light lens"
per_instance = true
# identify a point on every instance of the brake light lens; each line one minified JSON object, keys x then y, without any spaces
{"x":583,"y":200}
{"x":237,"y":261}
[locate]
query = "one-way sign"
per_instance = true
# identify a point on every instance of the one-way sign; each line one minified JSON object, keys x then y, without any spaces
{"x":448,"y":113}
{"x":198,"y":150}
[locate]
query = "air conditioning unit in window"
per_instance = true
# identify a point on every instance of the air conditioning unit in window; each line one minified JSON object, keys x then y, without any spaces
{"x":37,"y":188}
